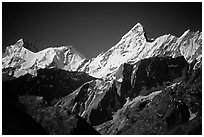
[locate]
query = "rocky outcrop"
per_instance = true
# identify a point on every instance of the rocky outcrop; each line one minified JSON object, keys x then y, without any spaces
{"x":157,"y":72}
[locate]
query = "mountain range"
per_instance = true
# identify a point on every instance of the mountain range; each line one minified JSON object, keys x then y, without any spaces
{"x":138,"y":86}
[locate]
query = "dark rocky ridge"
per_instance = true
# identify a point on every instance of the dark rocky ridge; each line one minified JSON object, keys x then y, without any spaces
{"x":157,"y":72}
{"x":51,"y":84}
{"x":33,"y":113}
{"x":56,"y":120}
{"x":168,"y":112}
{"x":15,"y":120}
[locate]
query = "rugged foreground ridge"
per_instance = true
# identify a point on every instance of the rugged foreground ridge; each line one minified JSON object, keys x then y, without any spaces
{"x":136,"y":87}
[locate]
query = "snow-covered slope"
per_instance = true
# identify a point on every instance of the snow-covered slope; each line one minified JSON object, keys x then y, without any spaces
{"x":25,"y":61}
{"x":134,"y":46}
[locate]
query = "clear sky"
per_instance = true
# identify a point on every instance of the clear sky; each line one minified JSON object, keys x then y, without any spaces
{"x":92,"y":28}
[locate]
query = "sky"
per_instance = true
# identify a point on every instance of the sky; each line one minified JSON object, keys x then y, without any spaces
{"x":92,"y":28}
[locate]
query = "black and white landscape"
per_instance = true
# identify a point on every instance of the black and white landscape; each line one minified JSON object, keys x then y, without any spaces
{"x":138,"y":86}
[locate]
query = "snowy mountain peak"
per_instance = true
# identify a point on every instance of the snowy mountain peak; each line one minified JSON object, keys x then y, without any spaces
{"x":185,"y":33}
{"x":137,"y":30}
{"x":138,"y":27}
{"x":19,"y":43}
{"x":14,"y":49}
{"x":23,"y":61}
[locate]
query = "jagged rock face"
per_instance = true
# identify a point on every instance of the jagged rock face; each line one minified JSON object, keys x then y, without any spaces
{"x":86,"y":98}
{"x":110,"y":103}
{"x":157,"y":72}
{"x":24,"y":61}
{"x":51,"y":84}
{"x":175,"y":109}
{"x":98,"y":99}
{"x":126,"y":83}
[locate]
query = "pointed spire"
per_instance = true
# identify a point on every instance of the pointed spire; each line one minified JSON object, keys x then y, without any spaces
{"x":137,"y":29}
{"x":19,"y":43}
{"x":185,"y":33}
{"x":26,"y":44}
